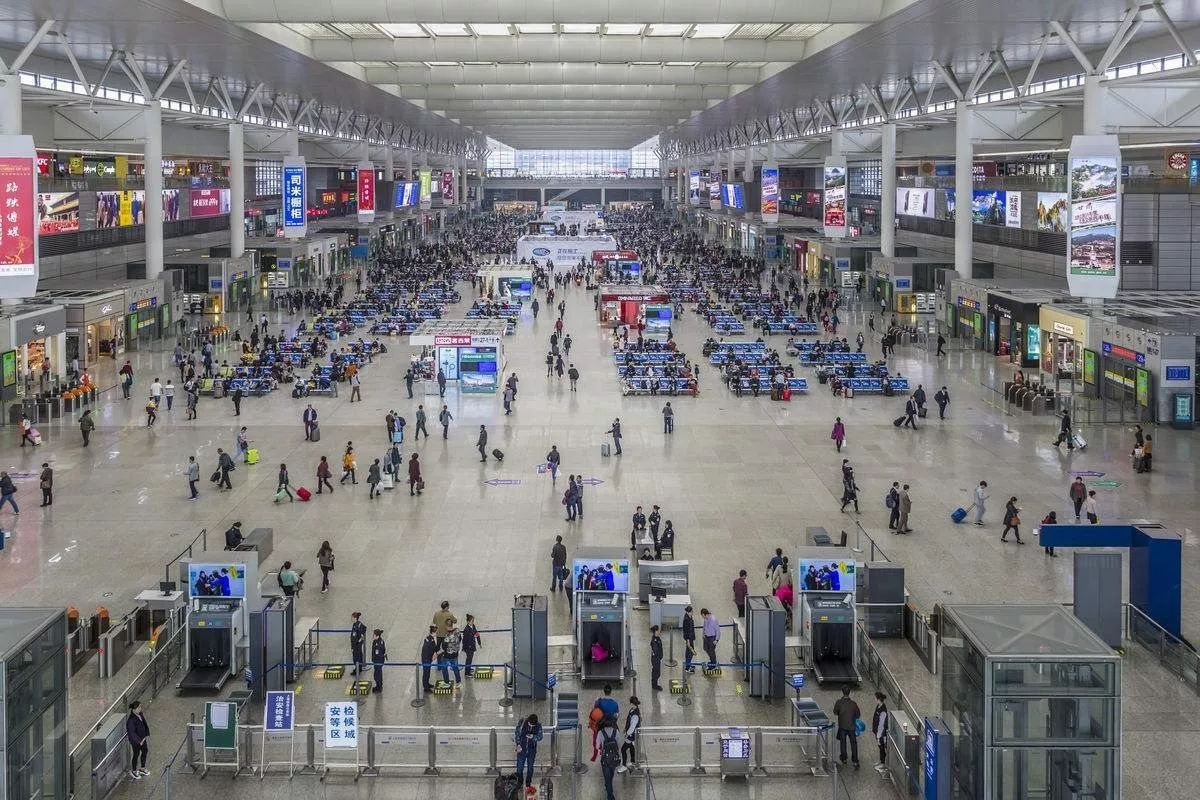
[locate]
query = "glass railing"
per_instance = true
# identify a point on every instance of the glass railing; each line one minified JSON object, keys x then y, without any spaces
{"x":1176,"y":656}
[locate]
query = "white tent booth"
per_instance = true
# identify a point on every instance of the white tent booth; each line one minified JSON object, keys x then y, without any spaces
{"x":564,"y":251}
{"x":468,"y":351}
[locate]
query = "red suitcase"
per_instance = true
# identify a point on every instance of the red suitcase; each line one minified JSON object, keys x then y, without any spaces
{"x":304,"y":494}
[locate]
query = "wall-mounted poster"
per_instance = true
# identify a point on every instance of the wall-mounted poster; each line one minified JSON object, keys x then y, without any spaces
{"x":1012,"y":210}
{"x":834,"y":207}
{"x":1052,"y":212}
{"x":1093,"y":239}
{"x":170,"y":202}
{"x":425,"y":196}
{"x":18,"y":229}
{"x":57,"y":212}
{"x":204,"y":203}
{"x":769,"y":180}
{"x":912,"y":202}
{"x":120,"y":209}
{"x":988,"y":207}
{"x":448,"y":195}
{"x":295,"y":197}
{"x":714,"y":195}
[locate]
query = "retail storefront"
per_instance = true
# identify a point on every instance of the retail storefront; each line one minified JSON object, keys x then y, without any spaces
{"x":95,"y":322}
{"x":1014,"y":330}
{"x":32,"y":336}
{"x":1147,"y":375}
{"x":965,"y":306}
{"x":1066,"y":358}
{"x":143,"y":322}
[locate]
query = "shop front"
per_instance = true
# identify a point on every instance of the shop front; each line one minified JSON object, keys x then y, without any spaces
{"x":1014,"y":330}
{"x":469,"y":352}
{"x":965,"y":306}
{"x":506,"y":282}
{"x":629,"y":304}
{"x":1147,"y":375}
{"x":213,"y":285}
{"x":1066,"y":358}
{"x":95,"y":322}
{"x":143,"y":320}
{"x":31,"y":335}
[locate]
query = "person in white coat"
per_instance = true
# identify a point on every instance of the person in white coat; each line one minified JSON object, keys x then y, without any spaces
{"x":981,"y":498}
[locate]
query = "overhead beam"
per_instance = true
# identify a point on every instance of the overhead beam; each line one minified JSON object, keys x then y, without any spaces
{"x":1189,"y":54}
{"x":569,"y":74}
{"x":1072,"y":45}
{"x":949,"y":78}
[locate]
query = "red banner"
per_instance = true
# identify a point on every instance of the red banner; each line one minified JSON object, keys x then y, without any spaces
{"x":611,"y":255}
{"x":452,"y":341}
{"x":205,"y":203}
{"x":366,"y":189}
{"x":17,"y":232}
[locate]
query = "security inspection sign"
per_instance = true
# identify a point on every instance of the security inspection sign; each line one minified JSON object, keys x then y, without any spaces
{"x":280,"y":713}
{"x":341,"y":726}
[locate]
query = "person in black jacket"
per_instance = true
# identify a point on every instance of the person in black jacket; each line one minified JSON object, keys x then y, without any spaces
{"x":358,"y":643}
{"x":880,"y":721}
{"x":429,"y":648}
{"x":233,"y":536}
{"x":1064,"y":432}
{"x":137,"y":729}
{"x":378,"y":657}
{"x":689,"y":639}
{"x":656,"y":657}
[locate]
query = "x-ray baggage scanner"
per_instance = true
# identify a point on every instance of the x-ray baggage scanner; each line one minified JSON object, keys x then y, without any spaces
{"x":220,"y":595}
{"x":825,"y":578}
{"x":600,"y":579}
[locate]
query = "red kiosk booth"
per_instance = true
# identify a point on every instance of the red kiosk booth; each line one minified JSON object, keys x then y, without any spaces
{"x":627,"y":304}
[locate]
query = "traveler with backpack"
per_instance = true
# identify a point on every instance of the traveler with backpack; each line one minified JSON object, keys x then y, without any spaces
{"x":892,"y":501}
{"x":633,"y":721}
{"x":608,"y":737}
{"x":526,"y":737}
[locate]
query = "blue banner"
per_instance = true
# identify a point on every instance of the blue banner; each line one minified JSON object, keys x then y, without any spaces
{"x":295,"y":198}
{"x":280,"y":713}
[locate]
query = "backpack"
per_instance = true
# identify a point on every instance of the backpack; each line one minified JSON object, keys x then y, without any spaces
{"x":610,"y":750}
{"x":889,"y":500}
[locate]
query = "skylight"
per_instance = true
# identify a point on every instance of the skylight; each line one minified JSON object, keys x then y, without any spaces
{"x":623,"y":28}
{"x":580,"y":27}
{"x":535,"y":27}
{"x":490,"y":29}
{"x":402,"y":30}
{"x":667,"y":29}
{"x":712,"y":30}
{"x":447,"y":28}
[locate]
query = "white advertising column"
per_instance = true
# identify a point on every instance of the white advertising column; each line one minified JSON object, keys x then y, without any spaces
{"x":887,"y":200}
{"x":237,"y":190}
{"x":10,"y":104}
{"x":963,"y":159}
{"x":1095,"y":98}
{"x":153,"y":207}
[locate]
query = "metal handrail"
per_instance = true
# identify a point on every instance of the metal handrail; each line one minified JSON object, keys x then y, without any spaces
{"x":1173,"y":653}
{"x":201,"y":537}
{"x":881,"y":675}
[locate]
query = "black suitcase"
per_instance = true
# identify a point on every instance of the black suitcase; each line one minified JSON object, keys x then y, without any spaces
{"x":498,"y":454}
{"x":506,"y":787}
{"x":898,"y":421}
{"x":922,"y":411}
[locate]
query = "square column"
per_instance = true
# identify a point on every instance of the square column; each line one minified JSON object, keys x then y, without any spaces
{"x":964,"y":153}
{"x":887,"y":200}
{"x":237,"y":189}
{"x":153,"y":207}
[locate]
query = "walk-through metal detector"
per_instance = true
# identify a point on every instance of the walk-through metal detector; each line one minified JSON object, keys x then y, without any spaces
{"x":766,"y":627}
{"x":531,"y":664}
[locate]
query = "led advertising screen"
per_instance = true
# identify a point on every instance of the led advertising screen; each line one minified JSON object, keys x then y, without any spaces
{"x":834,"y":207}
{"x":204,"y":203}
{"x":913,"y":202}
{"x":1012,"y":210}
{"x":366,"y":191}
{"x":295,"y":197}
{"x":120,"y":209}
{"x":170,"y":201}
{"x":694,"y":187}
{"x":769,"y":206}
{"x":425,"y":192}
{"x":18,"y":229}
{"x":448,"y":186}
{"x":727,"y":194}
{"x":1093,"y":258}
{"x":988,"y":207}
{"x":714,"y":195}
{"x":8,"y":367}
{"x":1052,"y":212}
{"x":826,"y":575}
{"x":600,"y":575}
{"x":217,"y":580}
{"x":57,"y":212}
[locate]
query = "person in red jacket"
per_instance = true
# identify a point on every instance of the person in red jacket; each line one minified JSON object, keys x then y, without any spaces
{"x":414,"y":476}
{"x":740,"y":590}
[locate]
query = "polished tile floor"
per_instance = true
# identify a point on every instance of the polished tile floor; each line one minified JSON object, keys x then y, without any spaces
{"x":738,"y":478}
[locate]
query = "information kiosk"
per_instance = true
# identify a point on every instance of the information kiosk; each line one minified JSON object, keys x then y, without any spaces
{"x":825,"y":578}
{"x":219,"y":596}
{"x":630,"y":305}
{"x":600,"y":578}
{"x":564,"y":251}
{"x":469,"y":351}
{"x":506,"y":282}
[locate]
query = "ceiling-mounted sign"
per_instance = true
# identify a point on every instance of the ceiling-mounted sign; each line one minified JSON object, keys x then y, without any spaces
{"x":834,"y":207}
{"x":1094,"y":233}
{"x":694,"y":187}
{"x":769,"y":183}
{"x":449,"y":195}
{"x":366,"y":191}
{"x":295,"y":206}
{"x":18,"y":217}
{"x":425,"y":188}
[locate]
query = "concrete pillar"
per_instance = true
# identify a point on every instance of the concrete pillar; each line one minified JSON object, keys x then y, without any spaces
{"x":1095,"y":102}
{"x":836,"y":145}
{"x":408,"y":162}
{"x":963,"y":157}
{"x":542,"y":193}
{"x":389,"y":168}
{"x":153,"y":209}
{"x":732,"y":168}
{"x":237,"y":189}
{"x":748,"y":167}
{"x":461,"y":184}
{"x":887,"y":200}
{"x":602,"y":200}
{"x":680,"y":182}
{"x":10,"y":105}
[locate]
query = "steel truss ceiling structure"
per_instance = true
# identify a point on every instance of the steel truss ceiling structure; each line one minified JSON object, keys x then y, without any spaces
{"x":582,"y":63}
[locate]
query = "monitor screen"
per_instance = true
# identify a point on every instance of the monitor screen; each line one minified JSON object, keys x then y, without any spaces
{"x":217,"y":580}
{"x":601,"y":575}
{"x":827,"y":575}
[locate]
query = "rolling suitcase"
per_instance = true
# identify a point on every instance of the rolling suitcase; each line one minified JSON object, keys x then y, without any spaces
{"x":898,"y":421}
{"x":922,"y":411}
{"x":304,"y":494}
{"x":605,"y":450}
{"x":506,"y":787}
{"x":498,"y":454}
{"x":252,"y":455}
{"x":1080,"y":442}
{"x":958,"y":515}
{"x":316,"y":434}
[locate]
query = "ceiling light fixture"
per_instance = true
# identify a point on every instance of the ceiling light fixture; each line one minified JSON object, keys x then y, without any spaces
{"x":535,"y":27}
{"x":446,"y":28}
{"x":667,"y":29}
{"x":623,"y":28}
{"x":491,"y":29}
{"x":580,"y":27}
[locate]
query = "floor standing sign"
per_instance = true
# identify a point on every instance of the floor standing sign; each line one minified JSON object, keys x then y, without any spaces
{"x":341,"y":733}
{"x":18,"y":217}
{"x":220,"y":734}
{"x":279,"y":724}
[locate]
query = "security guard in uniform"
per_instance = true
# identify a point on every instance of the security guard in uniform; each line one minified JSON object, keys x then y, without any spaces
{"x":429,"y":648}
{"x":358,"y":643}
{"x":656,"y":657}
{"x":378,"y":657}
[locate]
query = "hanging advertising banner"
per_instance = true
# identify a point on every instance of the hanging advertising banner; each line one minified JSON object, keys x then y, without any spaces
{"x":425,"y":191}
{"x":834,"y":206}
{"x":714,"y":195}
{"x":18,"y":226}
{"x":57,"y":212}
{"x":1052,"y":212}
{"x":366,"y":191}
{"x":769,"y":205}
{"x":1012,"y":215}
{"x":295,"y":197}
{"x":1094,"y":233}
{"x":448,"y":195}
{"x":694,"y":187}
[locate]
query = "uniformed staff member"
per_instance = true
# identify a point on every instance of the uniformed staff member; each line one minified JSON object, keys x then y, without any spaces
{"x":656,"y":657}
{"x":378,"y":657}
{"x":429,"y":648}
{"x":358,"y":643}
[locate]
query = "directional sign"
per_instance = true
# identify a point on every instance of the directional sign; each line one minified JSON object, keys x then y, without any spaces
{"x":1091,"y":473}
{"x":503,"y":482}
{"x":591,"y":481}
{"x":551,"y":681}
{"x":1106,"y":484}
{"x":798,"y":680}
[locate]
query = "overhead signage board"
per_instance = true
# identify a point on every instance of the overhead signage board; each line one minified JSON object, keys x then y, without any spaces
{"x":834,"y":207}
{"x":1094,"y":233}
{"x":714,"y":195}
{"x":295,"y":190}
{"x":448,"y":187}
{"x":769,"y":202}
{"x":366,"y":191}
{"x":694,"y":187}
{"x":425,"y":181}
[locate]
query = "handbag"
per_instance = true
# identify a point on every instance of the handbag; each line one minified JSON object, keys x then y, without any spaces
{"x":420,"y":484}
{"x":1016,"y":520}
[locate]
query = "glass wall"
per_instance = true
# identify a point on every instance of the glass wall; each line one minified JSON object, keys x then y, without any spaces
{"x":641,"y":161}
{"x":35,"y":709}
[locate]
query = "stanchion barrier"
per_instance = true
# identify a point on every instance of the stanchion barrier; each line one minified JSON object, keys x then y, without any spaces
{"x":670,"y":659}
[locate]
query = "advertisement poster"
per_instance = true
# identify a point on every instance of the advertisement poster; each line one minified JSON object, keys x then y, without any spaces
{"x":834,"y":207}
{"x":770,"y":193}
{"x":949,"y":203}
{"x":1089,"y":367}
{"x":448,"y":186}
{"x":18,"y":204}
{"x":203,"y":202}
{"x":57,"y":212}
{"x":1093,"y":257}
{"x":1012,"y":216}
{"x":915,"y":202}
{"x":8,"y":367}
{"x":425,"y":179}
{"x":1052,"y":212}
{"x":694,"y":187}
{"x":1142,"y":387}
{"x":225,"y":198}
{"x":170,"y":201}
{"x":366,"y":191}
{"x":714,"y":195}
{"x":120,"y":209}
{"x":987,"y":207}
{"x":295,"y":197}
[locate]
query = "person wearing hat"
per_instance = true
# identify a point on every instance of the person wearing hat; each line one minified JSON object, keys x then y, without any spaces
{"x":378,"y":658}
